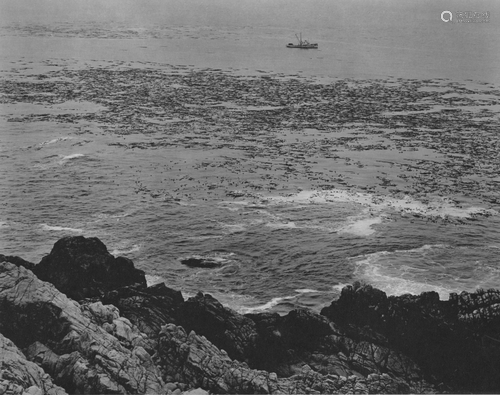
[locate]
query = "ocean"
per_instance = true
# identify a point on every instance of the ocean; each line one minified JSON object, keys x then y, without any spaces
{"x":188,"y":130}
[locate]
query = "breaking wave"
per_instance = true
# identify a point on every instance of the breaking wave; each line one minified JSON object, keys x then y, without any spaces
{"x":426,"y":269}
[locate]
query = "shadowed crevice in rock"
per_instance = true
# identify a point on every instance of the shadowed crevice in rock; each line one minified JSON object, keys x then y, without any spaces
{"x":224,"y":327}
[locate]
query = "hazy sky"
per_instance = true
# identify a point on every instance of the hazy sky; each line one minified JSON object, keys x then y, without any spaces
{"x":240,"y":12}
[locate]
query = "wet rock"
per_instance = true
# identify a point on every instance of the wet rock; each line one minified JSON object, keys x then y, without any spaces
{"x":454,"y":341}
{"x":83,"y":268}
{"x":225,"y":328}
{"x":304,"y":337}
{"x":203,"y":262}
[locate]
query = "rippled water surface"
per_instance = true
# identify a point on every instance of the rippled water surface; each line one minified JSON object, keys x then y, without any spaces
{"x":293,"y":176}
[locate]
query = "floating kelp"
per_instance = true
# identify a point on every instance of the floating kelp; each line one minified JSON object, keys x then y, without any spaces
{"x":281,"y":133}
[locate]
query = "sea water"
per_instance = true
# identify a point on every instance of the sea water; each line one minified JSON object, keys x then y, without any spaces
{"x":290,"y":213}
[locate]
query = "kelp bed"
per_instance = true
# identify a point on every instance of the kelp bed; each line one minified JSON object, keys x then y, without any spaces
{"x":278,"y":134}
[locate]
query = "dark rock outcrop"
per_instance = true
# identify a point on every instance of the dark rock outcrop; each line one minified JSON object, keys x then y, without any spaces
{"x":194,"y":360}
{"x":285,"y":344}
{"x":224,"y":327}
{"x":148,"y":308}
{"x":456,"y":341}
{"x":83,"y":268}
{"x":17,"y":261}
{"x":304,"y":337}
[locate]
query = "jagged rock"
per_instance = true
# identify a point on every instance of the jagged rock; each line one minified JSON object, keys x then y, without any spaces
{"x":304,"y":337}
{"x":197,"y":362}
{"x":273,"y":352}
{"x":20,"y":376}
{"x":17,"y":261}
{"x":454,"y":342}
{"x":284,"y":344}
{"x":225,"y":328}
{"x":108,"y":317}
{"x":78,"y":352}
{"x":83,"y":268}
{"x":304,"y":328}
{"x":148,"y":308}
{"x":481,"y":308}
{"x":365,"y":342}
{"x":100,"y":313}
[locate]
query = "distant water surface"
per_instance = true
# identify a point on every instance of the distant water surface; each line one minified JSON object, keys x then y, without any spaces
{"x":374,"y":158}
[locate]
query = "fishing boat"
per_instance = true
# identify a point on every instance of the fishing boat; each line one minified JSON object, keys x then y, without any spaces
{"x":304,"y":44}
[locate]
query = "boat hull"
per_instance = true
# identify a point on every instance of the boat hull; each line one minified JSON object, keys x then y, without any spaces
{"x":309,"y":46}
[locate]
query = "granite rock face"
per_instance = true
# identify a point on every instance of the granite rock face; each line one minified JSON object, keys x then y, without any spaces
{"x":70,"y":342}
{"x":194,"y":360}
{"x":19,"y":376}
{"x":83,"y":268}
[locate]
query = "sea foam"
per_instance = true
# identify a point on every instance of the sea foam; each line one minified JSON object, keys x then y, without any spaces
{"x":441,"y":207}
{"x":67,"y":158}
{"x":386,"y":270}
{"x":134,"y":248}
{"x":53,"y":141}
{"x":153,"y":280}
{"x":266,"y":306}
{"x":360,"y":226}
{"x":61,"y":229}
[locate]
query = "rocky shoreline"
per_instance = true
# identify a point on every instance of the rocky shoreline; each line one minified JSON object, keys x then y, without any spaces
{"x":83,"y":321}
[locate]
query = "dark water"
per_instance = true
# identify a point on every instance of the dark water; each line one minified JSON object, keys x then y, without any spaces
{"x":295,"y":175}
